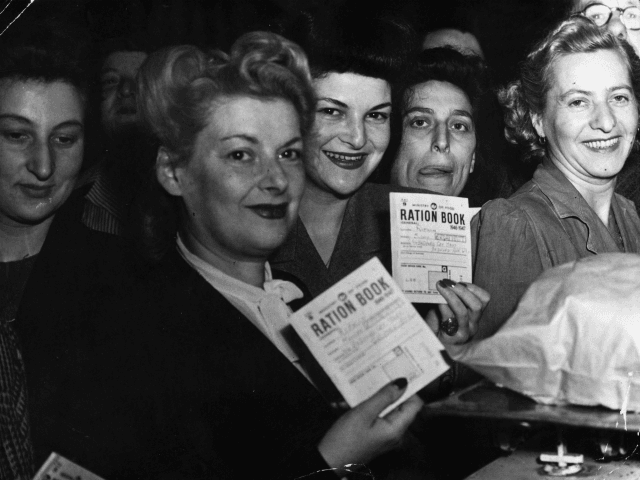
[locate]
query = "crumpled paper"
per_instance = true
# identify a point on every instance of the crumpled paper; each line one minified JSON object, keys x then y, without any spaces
{"x":574,"y":337}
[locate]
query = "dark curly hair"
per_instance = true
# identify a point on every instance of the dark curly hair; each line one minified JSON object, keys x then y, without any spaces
{"x":526,"y":97}
{"x":467,"y":72}
{"x":349,"y":40}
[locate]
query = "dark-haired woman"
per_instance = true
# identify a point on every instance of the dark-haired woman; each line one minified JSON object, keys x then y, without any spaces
{"x":344,"y":221}
{"x":575,"y":110}
{"x":437,"y":105}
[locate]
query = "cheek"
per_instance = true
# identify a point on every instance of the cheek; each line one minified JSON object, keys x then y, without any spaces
{"x":379,"y":136}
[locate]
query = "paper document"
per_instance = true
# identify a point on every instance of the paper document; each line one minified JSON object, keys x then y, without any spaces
{"x":59,"y":468}
{"x":430,"y":241}
{"x":365,"y":333}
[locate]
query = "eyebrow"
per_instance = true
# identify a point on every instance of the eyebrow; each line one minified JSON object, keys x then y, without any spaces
{"x":462,"y":113}
{"x":26,"y":121}
{"x":291,"y":142}
{"x":344,"y":105}
{"x":254,"y":140}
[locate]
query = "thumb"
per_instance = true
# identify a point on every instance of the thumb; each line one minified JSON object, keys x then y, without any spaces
{"x":384,"y":397}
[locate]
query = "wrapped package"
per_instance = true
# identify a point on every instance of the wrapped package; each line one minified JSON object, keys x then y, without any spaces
{"x":574,"y":337}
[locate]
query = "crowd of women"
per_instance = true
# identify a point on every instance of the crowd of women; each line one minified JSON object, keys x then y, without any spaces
{"x":145,"y":301}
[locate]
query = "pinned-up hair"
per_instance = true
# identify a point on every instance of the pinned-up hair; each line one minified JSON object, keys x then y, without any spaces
{"x":179,"y":85}
{"x":348,"y":40}
{"x":527,"y":96}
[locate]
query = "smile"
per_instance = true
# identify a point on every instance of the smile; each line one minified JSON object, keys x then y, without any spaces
{"x":602,"y":144}
{"x":269,"y":211}
{"x":348,"y":161}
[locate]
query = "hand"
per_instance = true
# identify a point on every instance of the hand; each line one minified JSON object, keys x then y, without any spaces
{"x":359,"y":435}
{"x":465,"y":302}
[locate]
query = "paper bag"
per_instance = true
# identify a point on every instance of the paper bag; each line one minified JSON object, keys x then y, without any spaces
{"x":574,"y":337}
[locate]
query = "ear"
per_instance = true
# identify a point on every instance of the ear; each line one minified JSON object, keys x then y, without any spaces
{"x":473,"y":162}
{"x":166,"y":172}
{"x":536,"y":120}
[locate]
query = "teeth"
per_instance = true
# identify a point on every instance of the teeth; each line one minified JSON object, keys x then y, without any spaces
{"x":599,"y":144}
{"x":347,"y":158}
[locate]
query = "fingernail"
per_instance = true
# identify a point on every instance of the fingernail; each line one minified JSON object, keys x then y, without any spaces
{"x":400,"y":383}
{"x":446,"y":283}
{"x":464,"y":284}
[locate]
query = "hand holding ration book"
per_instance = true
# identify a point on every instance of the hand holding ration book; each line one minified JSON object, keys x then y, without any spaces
{"x":365,"y":333}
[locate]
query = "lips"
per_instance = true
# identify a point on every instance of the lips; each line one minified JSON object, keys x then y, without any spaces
{"x":36,"y":191}
{"x":348,"y":161}
{"x":435,"y":171}
{"x":603,"y":144}
{"x":270,"y":211}
{"x":127,"y":110}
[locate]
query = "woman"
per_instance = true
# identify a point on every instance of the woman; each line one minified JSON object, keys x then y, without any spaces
{"x":575,"y":110}
{"x":343,"y":221}
{"x":622,"y":19}
{"x":43,"y":92}
{"x":230,"y":134}
{"x":437,"y":108}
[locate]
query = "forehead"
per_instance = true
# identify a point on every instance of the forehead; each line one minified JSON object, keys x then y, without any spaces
{"x":41,"y":102}
{"x":437,"y":95}
{"x":591,"y":72}
{"x":579,"y":5}
{"x":263,"y":119}
{"x":353,"y":89}
{"x":124,"y":61}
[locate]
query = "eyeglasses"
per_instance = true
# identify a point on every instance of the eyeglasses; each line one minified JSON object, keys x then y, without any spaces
{"x":601,"y":14}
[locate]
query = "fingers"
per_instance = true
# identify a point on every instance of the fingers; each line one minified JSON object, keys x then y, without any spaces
{"x":402,"y":416}
{"x":466,"y":303}
{"x":383,"y":397}
{"x":460,"y":298}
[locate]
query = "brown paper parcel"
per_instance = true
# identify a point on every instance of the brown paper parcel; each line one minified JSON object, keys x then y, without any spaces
{"x":574,"y":337}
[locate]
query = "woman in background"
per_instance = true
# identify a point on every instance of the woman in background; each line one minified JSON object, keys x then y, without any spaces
{"x":437,"y":107}
{"x":574,"y":110}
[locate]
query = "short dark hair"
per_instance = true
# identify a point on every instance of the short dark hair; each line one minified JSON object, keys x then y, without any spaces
{"x":46,"y":51}
{"x":467,"y":72}
{"x":349,"y":40}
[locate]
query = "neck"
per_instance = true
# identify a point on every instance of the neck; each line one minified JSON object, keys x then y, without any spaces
{"x":248,"y":270}
{"x":322,"y":214}
{"x":21,"y":241}
{"x":596,"y":192}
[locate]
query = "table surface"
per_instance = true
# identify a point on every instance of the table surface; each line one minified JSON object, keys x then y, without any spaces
{"x":486,"y":400}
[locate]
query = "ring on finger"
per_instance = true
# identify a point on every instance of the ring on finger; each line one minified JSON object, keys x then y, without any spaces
{"x":449,"y":326}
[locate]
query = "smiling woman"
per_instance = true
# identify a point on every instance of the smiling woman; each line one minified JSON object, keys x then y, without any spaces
{"x":575,"y":109}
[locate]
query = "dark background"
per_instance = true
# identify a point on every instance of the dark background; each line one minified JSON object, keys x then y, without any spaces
{"x":505,"y":28}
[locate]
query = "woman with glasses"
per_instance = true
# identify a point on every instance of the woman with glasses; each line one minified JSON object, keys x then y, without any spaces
{"x":575,"y":111}
{"x":620,"y":17}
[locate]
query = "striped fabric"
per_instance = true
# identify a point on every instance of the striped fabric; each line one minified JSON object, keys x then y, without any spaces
{"x":103,"y":210}
{"x":16,"y":455}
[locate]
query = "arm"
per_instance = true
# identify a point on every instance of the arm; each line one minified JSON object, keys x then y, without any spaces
{"x":506,"y":260}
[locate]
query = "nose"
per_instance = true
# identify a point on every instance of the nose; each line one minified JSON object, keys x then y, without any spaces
{"x":603,"y":118}
{"x":274,"y":178}
{"x":126,"y":87}
{"x":615,"y":25}
{"x":354,"y":133}
{"x":41,"y":162}
{"x":441,"y":139}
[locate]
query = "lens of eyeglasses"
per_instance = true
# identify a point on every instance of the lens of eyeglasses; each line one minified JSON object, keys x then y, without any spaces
{"x":631,"y":18}
{"x":598,"y":14}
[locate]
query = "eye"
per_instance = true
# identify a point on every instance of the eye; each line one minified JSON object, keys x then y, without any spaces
{"x":109,"y":81}
{"x":460,"y":126}
{"x":65,"y":140}
{"x":419,"y":123}
{"x":239,"y":155}
{"x":379,"y":117}
{"x":292,"y":154}
{"x":578,"y":102}
{"x":14,"y":136}
{"x":330,"y":112}
{"x":621,"y":99}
